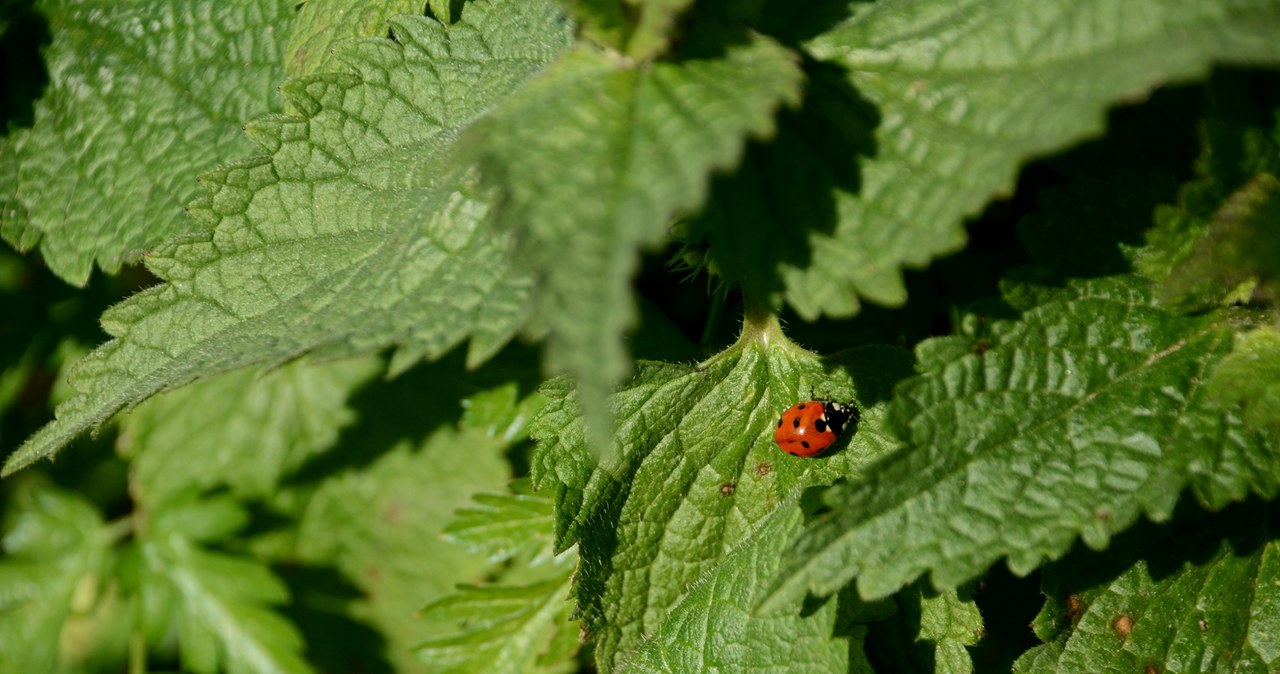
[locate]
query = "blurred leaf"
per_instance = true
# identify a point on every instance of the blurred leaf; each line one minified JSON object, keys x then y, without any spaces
{"x":1242,"y":245}
{"x":243,"y":430}
{"x":503,"y":629}
{"x":222,"y":602}
{"x":506,"y":627}
{"x":506,"y":525}
{"x":641,"y":29}
{"x":390,"y":514}
{"x":56,"y":557}
{"x":142,"y":97}
{"x":1240,"y":141}
{"x":593,"y":158}
{"x":1249,"y":377}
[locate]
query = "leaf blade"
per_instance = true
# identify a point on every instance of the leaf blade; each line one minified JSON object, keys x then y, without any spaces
{"x":977,"y":482}
{"x":586,"y":159}
{"x":332,"y":245}
{"x":126,"y":124}
{"x":966,"y":93}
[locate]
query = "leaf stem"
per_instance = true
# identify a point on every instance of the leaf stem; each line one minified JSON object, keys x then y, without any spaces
{"x":137,"y":652}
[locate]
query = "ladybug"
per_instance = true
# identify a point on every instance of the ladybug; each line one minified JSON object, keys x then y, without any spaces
{"x":810,"y":427}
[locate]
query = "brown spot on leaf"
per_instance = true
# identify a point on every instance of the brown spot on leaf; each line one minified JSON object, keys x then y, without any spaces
{"x":763,"y":468}
{"x":1123,"y":625}
{"x":1075,"y":607}
{"x":728,"y":488}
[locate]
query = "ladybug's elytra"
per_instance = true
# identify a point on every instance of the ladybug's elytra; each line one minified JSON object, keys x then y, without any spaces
{"x":810,"y":427}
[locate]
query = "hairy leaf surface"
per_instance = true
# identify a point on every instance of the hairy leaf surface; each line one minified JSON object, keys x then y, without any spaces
{"x":357,"y":231}
{"x":594,"y":159}
{"x":1075,"y":420}
{"x":696,"y":469}
{"x":714,"y":628}
{"x":1205,"y":597}
{"x":966,"y":92}
{"x":142,"y":98}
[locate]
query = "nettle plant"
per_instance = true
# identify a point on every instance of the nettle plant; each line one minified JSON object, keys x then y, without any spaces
{"x":425,"y":355}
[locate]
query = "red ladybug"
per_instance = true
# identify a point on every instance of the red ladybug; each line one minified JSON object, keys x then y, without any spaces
{"x":808,"y":428}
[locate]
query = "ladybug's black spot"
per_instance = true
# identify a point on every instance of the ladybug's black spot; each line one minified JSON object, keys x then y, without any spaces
{"x":779,"y":422}
{"x":792,"y":453}
{"x":805,"y":443}
{"x":800,"y":406}
{"x":796,"y":423}
{"x":821,"y":425}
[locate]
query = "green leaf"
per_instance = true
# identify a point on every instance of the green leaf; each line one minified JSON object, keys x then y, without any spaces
{"x":358,"y":231}
{"x":1250,"y":378}
{"x":928,"y":634}
{"x":1204,"y":597}
{"x":506,"y":628}
{"x":56,"y":555}
{"x":322,"y":24}
{"x":390,"y":514}
{"x":593,"y":159}
{"x":967,"y":93}
{"x":224,"y":622}
{"x":714,"y":627}
{"x":501,"y":629}
{"x":695,"y":469}
{"x":241,"y":429}
{"x":1242,"y":245}
{"x":1240,"y":141}
{"x":1072,"y":421}
{"x":141,"y":97}
{"x":641,"y":29}
{"x":505,"y":526}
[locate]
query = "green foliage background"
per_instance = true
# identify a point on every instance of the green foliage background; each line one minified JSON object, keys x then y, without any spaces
{"x":450,"y":336}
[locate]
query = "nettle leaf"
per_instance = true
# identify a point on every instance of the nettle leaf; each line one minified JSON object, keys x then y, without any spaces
{"x":1242,"y":246}
{"x":715,"y":628}
{"x":506,"y":627}
{"x":1250,"y":378}
{"x":322,"y":24}
{"x":695,"y":469}
{"x":1239,"y":144}
{"x":928,"y":634}
{"x":224,"y":619}
{"x":967,"y":93}
{"x":142,"y":96}
{"x":391,"y":513}
{"x":505,"y":526}
{"x":1074,"y":420}
{"x":640,"y":29}
{"x":56,"y":555}
{"x":1203,"y":598}
{"x":357,"y":232}
{"x":240,"y":429}
{"x":594,"y":158}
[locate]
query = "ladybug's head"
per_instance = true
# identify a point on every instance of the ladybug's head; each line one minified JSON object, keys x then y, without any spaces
{"x":839,"y":415}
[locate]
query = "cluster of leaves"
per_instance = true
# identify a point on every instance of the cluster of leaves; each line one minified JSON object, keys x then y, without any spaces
{"x":387,"y":189}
